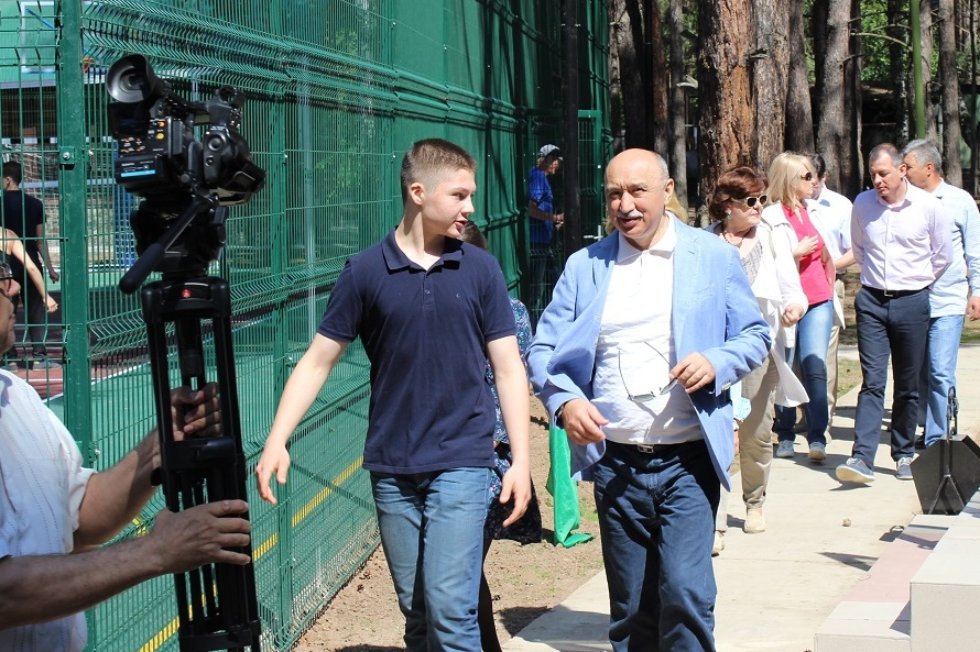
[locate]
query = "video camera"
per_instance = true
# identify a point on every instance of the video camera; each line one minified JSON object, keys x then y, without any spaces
{"x":161,"y":160}
{"x":187,"y":186}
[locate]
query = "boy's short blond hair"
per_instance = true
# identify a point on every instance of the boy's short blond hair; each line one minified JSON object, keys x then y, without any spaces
{"x":429,"y":159}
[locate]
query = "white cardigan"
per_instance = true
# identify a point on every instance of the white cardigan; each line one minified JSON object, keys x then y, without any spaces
{"x":774,"y":216}
{"x":777,"y":285}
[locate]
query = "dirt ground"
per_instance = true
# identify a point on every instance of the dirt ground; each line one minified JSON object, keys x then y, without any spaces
{"x":525,"y":581}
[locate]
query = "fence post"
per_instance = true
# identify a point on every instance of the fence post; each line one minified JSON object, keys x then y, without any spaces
{"x":73,"y":160}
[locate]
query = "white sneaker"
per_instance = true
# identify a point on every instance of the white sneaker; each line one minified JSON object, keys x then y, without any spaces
{"x":755,"y":522}
{"x":818,"y":452}
{"x":719,"y":543}
{"x":785,"y":449}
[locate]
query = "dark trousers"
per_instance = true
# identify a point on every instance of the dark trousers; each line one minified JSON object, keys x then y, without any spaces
{"x":896,"y":325}
{"x":35,"y":316}
{"x":542,"y":279}
{"x":657,"y":519}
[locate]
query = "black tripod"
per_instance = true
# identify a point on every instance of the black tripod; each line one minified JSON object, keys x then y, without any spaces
{"x":948,"y":492}
{"x":216,"y":603}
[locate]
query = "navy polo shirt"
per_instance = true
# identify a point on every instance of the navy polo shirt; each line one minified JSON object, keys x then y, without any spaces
{"x":425,"y":333}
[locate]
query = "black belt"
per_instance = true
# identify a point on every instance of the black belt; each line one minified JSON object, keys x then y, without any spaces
{"x":650,"y":449}
{"x":891,"y":294}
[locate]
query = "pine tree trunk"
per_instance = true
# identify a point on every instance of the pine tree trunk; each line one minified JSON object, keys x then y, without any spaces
{"x":799,"y":111}
{"x":925,"y":43}
{"x":654,"y":42}
{"x":899,"y":67}
{"x":852,"y":156}
{"x":769,"y":67}
{"x":678,"y":102}
{"x":726,"y":119}
{"x":949,"y":77}
{"x":832,"y":142}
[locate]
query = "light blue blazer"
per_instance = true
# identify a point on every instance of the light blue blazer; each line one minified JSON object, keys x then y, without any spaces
{"x":714,"y":313}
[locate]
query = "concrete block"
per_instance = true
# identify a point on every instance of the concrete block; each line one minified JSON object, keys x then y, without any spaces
{"x":859,"y":626}
{"x":944,"y":618}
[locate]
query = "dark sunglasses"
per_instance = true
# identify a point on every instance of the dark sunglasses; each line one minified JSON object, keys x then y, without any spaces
{"x":807,"y":177}
{"x":752,"y":201}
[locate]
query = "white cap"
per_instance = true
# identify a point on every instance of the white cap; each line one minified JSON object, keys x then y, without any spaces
{"x":548,"y":149}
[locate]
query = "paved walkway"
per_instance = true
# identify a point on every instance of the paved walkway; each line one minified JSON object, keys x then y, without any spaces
{"x":777,"y":587}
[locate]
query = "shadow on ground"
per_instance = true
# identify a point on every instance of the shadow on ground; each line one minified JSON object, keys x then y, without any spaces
{"x":514,"y":619}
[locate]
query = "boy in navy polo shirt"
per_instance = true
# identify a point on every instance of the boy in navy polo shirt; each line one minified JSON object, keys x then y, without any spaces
{"x":430,"y":310}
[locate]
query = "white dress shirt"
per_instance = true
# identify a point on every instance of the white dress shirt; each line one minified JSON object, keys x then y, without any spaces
{"x":635,"y":351}
{"x":831,"y":215}
{"x":902,"y":246}
{"x":949,"y":293}
{"x":42,"y":483}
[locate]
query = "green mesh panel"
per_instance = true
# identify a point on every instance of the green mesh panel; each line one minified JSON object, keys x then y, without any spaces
{"x":336,"y":92}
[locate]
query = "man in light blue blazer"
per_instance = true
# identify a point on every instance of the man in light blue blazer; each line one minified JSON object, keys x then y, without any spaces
{"x":634,"y":356}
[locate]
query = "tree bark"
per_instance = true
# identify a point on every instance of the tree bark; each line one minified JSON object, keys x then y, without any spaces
{"x":949,"y":77}
{"x":926,"y":43}
{"x":852,"y":159}
{"x":678,"y":102}
{"x":634,"y":72}
{"x":818,"y":31}
{"x":768,"y":64}
{"x":900,"y":70}
{"x":832,"y":142}
{"x":723,"y":85}
{"x":799,"y":109}
{"x":617,"y":119}
{"x":653,"y":45}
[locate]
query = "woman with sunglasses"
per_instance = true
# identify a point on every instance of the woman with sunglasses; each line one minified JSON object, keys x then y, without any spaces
{"x":10,"y":245}
{"x":736,"y":205}
{"x":793,"y":180}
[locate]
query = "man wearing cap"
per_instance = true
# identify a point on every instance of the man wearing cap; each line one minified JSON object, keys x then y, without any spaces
{"x":544,"y":222}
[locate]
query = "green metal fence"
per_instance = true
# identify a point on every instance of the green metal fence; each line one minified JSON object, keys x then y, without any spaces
{"x":336,"y":92}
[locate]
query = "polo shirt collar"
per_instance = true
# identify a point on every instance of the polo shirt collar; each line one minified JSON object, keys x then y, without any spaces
{"x":664,"y":247}
{"x":396,"y":260}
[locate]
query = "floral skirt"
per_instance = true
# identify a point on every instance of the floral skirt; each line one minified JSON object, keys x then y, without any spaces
{"x":528,"y":528}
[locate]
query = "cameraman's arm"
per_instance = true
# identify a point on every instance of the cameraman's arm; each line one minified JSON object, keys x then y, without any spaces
{"x":36,"y":589}
{"x":114,"y":497}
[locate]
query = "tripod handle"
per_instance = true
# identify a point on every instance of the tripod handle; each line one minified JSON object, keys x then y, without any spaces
{"x":145,"y":264}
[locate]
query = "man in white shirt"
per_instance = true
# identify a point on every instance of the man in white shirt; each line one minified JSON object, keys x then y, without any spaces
{"x":54,"y":513}
{"x":634,"y":356}
{"x":900,"y":237}
{"x":830,"y":213}
{"x":948,"y":297}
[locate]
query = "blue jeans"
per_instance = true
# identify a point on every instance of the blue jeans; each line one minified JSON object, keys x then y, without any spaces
{"x":432,"y":532}
{"x":889,"y":326}
{"x":939,"y":374}
{"x":656,"y":517}
{"x":812,"y":341}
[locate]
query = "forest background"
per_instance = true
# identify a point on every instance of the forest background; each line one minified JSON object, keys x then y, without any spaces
{"x":728,"y":82}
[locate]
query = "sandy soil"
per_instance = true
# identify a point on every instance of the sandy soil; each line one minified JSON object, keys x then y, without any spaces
{"x":525,"y":580}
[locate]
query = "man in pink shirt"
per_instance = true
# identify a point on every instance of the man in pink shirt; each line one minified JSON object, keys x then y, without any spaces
{"x":901,"y":239}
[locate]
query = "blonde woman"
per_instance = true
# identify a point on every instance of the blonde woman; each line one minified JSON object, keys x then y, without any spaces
{"x":792,"y":180}
{"x":736,"y":206}
{"x":11,"y":245}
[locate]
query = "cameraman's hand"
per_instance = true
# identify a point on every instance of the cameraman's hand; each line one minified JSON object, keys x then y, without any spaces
{"x":195,"y":413}
{"x":275,"y":459}
{"x":185,"y":540}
